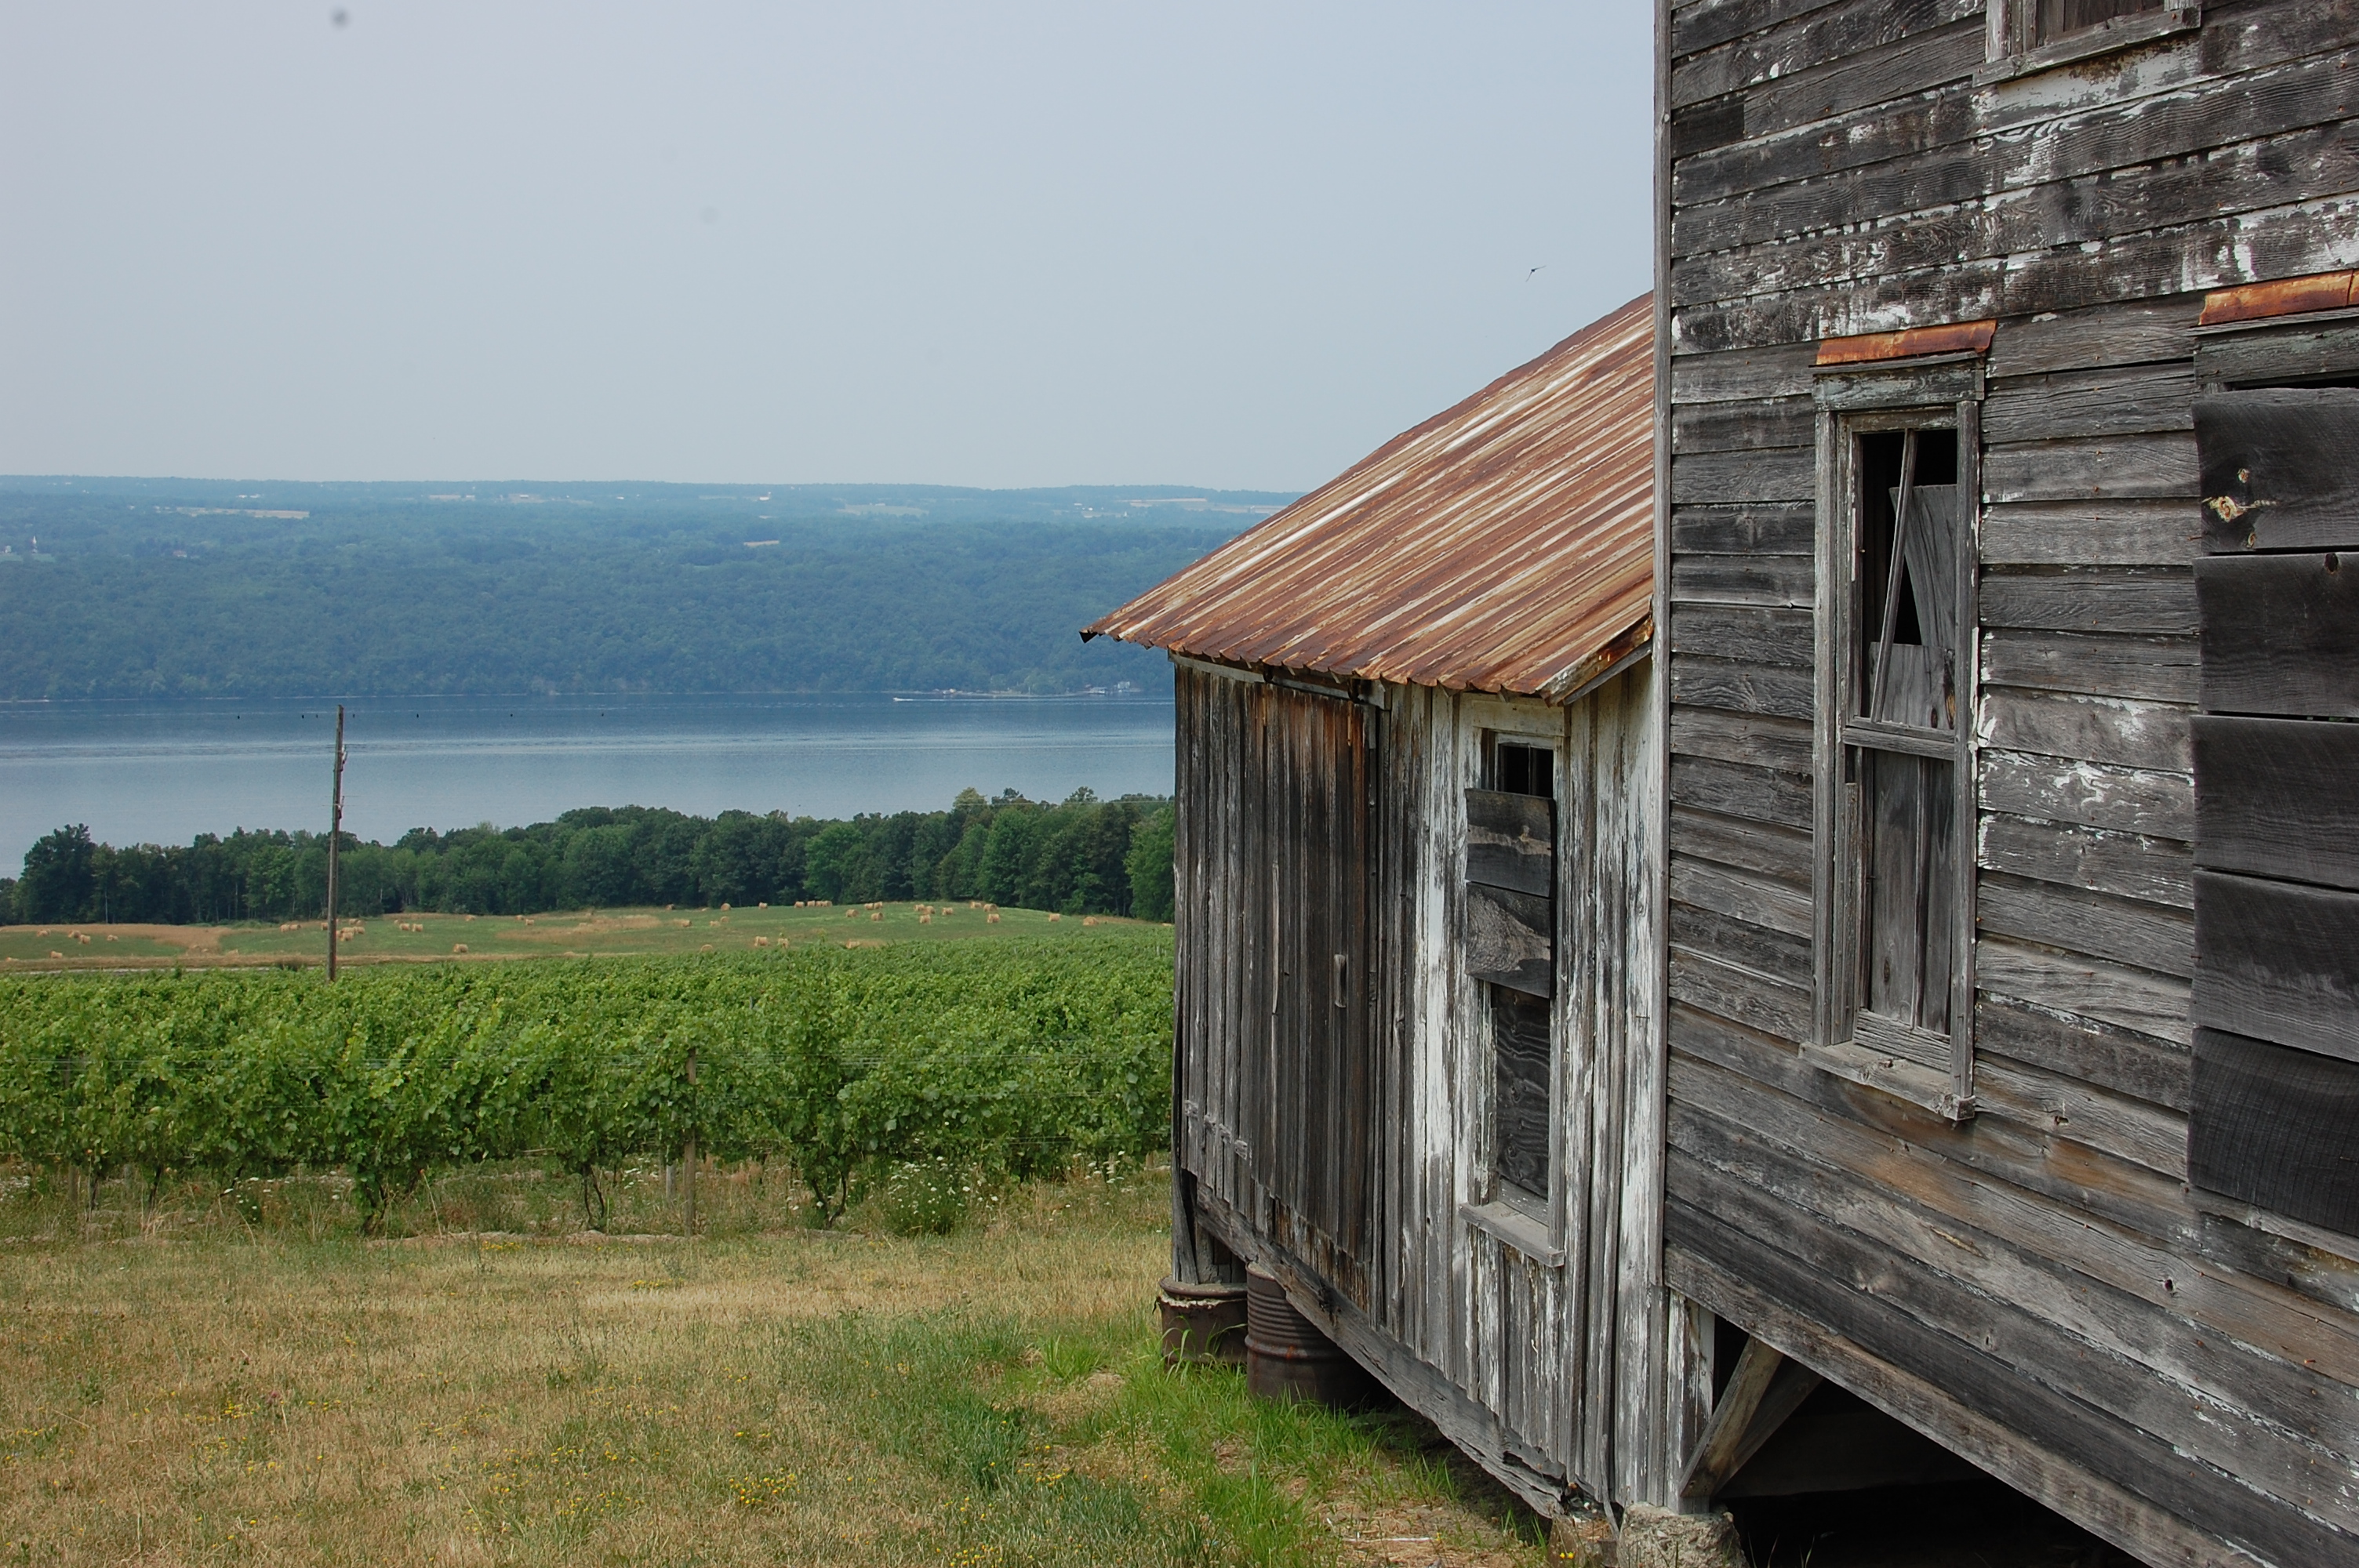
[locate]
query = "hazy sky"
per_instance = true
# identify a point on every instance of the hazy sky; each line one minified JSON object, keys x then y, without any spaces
{"x":1018,"y":244}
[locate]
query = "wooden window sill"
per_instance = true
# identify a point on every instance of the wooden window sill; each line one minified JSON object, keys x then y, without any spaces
{"x":2103,"y":39}
{"x":1510,"y":1224}
{"x":1895,"y":1075}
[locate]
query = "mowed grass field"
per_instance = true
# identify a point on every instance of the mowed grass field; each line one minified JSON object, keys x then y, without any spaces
{"x":239,"y":1377}
{"x":579,"y":934}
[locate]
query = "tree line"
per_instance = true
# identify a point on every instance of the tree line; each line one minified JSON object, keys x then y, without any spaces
{"x":1081,"y":856}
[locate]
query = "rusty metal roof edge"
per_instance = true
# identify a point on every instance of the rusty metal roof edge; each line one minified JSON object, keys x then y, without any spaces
{"x":1636,"y":643}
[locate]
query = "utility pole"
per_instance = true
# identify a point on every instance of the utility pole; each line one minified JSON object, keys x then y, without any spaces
{"x":335,"y":835}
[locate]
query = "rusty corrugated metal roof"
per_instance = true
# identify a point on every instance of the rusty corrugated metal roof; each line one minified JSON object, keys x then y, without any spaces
{"x":1504,"y":545}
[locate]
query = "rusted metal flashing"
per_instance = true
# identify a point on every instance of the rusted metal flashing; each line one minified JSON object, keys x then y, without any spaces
{"x":2284,"y":297}
{"x":1958,"y":337}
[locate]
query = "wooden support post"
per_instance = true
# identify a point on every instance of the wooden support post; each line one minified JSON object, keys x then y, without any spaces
{"x":1763,"y":1391}
{"x":336,"y":834}
{"x":688,"y":1151}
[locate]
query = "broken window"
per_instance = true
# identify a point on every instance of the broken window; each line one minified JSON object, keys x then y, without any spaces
{"x":1510,"y":888}
{"x":2057,"y":19}
{"x":1900,"y":873}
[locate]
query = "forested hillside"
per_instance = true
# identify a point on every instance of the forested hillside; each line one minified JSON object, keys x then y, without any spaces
{"x":169,"y":588}
{"x":1082,"y":856}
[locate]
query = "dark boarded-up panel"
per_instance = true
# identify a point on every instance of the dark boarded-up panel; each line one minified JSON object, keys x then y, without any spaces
{"x":1509,"y":940}
{"x":1316,"y":1143}
{"x":1511,"y":840}
{"x":2275,"y":1128}
{"x":2278,"y":961}
{"x":2280,"y":633}
{"x":2277,"y":470}
{"x":1520,"y":1032}
{"x":2277,"y":797}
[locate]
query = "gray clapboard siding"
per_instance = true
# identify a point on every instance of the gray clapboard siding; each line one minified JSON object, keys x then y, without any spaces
{"x":1743,"y":427}
{"x":2281,"y":476}
{"x":1757,"y":634}
{"x":1733,"y":789}
{"x":2093,"y":988}
{"x":2277,"y":962}
{"x":2151,"y":935}
{"x":2092,"y":532}
{"x":2129,"y":1064}
{"x":1745,"y":684}
{"x":1759,"y":900}
{"x":1781,"y":582}
{"x":1746,"y":843}
{"x":2155,"y":601}
{"x":1755,"y":739}
{"x":2142,"y":669}
{"x":1766,"y":528}
{"x":2151,"y":737}
{"x":2126,"y":800}
{"x":2280,"y":633}
{"x":2129,"y":865}
{"x":2280,"y":799}
{"x":1777,"y":473}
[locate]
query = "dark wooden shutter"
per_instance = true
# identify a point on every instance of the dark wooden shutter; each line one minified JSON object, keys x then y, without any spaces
{"x":1510,"y":933}
{"x":2275,"y":1117}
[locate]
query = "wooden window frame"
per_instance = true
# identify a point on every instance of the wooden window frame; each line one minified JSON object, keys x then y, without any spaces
{"x":1496,"y":1208}
{"x":2011,"y":48}
{"x":1934,"y":392}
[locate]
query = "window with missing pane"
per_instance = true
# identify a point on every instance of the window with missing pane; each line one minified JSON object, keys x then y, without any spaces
{"x":1511,"y":876}
{"x":1900,"y":870}
{"x":2055,"y":19}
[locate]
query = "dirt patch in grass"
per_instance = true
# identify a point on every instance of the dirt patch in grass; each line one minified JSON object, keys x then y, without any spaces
{"x":249,"y":1382}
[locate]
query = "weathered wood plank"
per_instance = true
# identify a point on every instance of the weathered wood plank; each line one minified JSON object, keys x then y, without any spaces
{"x":1779,"y":955}
{"x":1742,"y":686}
{"x":2017,"y":1365}
{"x":2142,"y":669}
{"x":2092,"y":534}
{"x":1746,"y":844}
{"x":2077,"y":404}
{"x":2124,"y":1128}
{"x":2127,"y":1064}
{"x":1758,"y":633}
{"x":1772,"y":370}
{"x":2127,"y":997}
{"x":1511,"y":841}
{"x":1760,"y":900}
{"x":1739,"y":995}
{"x":2004,"y":1184}
{"x":1915,"y":64}
{"x":1772,"y":528}
{"x":1749,"y":737}
{"x":2152,"y":599}
{"x":2278,"y":472}
{"x":1744,"y":426}
{"x":2153,"y":870}
{"x":2277,"y":797}
{"x":1776,"y":581}
{"x":2118,"y":1515}
{"x":1825,"y":33}
{"x":1777,"y":473}
{"x":2280,"y":633}
{"x":2157,"y":804}
{"x":2277,"y":1126}
{"x":2123,"y":734}
{"x":1509,"y":939}
{"x":2144,"y":332}
{"x":2277,"y":962}
{"x":1732,"y":789}
{"x":2151,"y":935}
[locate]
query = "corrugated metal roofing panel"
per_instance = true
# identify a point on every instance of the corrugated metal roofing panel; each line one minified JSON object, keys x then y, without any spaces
{"x":1503,"y":545}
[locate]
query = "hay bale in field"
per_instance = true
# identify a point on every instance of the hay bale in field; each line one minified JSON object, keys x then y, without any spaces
{"x":724,"y":908}
{"x":922,"y":920}
{"x":1054,"y":917}
{"x":761,"y":941}
{"x":876,"y":914}
{"x":708,"y":947}
{"x":55,"y":954}
{"x":111,"y":938}
{"x":458,"y":947}
{"x":1088,"y":920}
{"x":993,"y":917}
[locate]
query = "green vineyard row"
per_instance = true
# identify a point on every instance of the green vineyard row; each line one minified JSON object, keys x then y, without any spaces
{"x":1016,"y":1057}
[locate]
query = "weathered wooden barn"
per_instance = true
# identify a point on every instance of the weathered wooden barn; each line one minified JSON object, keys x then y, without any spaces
{"x":1416,"y":1076}
{"x":2011,"y":907}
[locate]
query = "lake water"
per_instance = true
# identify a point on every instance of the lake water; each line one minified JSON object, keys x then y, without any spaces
{"x":163,"y":772}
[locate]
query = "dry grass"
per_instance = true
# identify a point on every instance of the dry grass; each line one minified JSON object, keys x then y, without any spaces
{"x":238,"y":1379}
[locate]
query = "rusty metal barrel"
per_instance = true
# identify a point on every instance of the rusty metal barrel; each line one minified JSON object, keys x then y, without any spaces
{"x":1202,"y":1322}
{"x":1288,"y":1356}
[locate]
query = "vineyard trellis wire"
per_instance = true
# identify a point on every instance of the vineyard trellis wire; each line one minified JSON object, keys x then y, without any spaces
{"x":1016,"y":1057}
